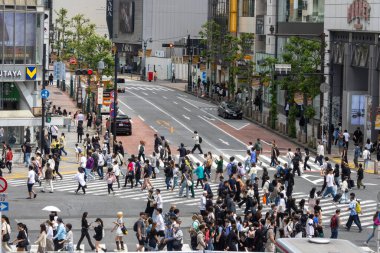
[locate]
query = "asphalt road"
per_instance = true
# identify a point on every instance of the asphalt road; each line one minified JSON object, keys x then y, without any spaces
{"x":175,"y":115}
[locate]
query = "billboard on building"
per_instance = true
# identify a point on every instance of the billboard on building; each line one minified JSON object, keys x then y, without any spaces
{"x":127,"y":21}
{"x":126,"y":16}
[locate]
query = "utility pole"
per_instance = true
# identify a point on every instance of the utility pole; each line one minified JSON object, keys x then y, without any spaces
{"x":43,"y":100}
{"x":190,"y":54}
{"x":116,"y":54}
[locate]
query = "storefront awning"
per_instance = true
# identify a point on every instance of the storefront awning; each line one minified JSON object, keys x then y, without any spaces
{"x":18,"y":118}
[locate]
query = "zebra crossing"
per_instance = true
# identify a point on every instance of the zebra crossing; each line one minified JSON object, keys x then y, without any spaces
{"x":99,"y":188}
{"x":147,"y":88}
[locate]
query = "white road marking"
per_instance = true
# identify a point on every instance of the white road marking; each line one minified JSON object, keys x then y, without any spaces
{"x":121,"y":102}
{"x":223,"y":131}
{"x":188,"y":118}
{"x":146,"y":94}
{"x":131,"y":121}
{"x":187,"y":109}
{"x":164,"y":97}
{"x":240,"y":128}
{"x":211,"y":115}
{"x":176,"y":120}
{"x":121,"y":112}
{"x":175,"y":102}
{"x":224,"y":142}
{"x":154,"y":92}
{"x":153,"y":128}
{"x":141,"y":118}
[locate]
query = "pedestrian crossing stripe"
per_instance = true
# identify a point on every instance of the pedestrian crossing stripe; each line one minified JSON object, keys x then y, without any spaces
{"x":31,"y":73}
{"x":99,"y":188}
{"x":146,"y":88}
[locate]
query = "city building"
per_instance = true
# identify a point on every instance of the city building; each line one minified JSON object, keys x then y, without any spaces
{"x":353,"y":29}
{"x":94,"y":10}
{"x":21,"y":50}
{"x":146,"y":25}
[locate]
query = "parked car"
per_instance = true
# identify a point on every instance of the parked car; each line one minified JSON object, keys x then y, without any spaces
{"x":123,"y":125}
{"x":229,"y":110}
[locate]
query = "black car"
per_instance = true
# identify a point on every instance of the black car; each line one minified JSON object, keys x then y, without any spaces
{"x":123,"y":125}
{"x":230,"y":110}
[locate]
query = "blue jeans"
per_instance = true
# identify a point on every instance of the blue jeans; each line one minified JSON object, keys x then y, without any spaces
{"x":88,"y":173}
{"x":372,"y":234}
{"x":334,"y":233}
{"x":184,"y":186}
{"x":328,"y":191}
{"x":253,"y":176}
{"x":336,"y":179}
{"x":100,"y":171}
{"x":27,"y":159}
{"x":64,"y":151}
{"x":167,"y":181}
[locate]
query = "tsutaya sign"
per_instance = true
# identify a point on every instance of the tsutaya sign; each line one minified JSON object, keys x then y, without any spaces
{"x":10,"y":74}
{"x":358,"y":12}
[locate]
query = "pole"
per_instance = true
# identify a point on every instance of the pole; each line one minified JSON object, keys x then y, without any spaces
{"x":322,"y":53}
{"x":115,"y":93}
{"x":189,"y":81}
{"x":43,"y":100}
{"x":143,"y":74}
{"x":330,"y":140}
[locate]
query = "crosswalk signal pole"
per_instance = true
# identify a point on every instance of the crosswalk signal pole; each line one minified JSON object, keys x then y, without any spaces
{"x":43,"y":100}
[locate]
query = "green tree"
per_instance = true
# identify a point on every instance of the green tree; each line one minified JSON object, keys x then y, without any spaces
{"x":61,"y":24}
{"x":267,"y":76}
{"x":304,"y":57}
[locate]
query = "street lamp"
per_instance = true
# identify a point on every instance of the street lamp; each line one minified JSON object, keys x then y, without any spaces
{"x":145,"y":43}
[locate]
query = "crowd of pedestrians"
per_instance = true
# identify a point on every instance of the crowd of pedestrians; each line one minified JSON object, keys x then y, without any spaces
{"x":217,"y":225}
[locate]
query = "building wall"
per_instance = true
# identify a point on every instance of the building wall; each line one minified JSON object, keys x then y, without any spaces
{"x":166,"y":21}
{"x":95,"y":10}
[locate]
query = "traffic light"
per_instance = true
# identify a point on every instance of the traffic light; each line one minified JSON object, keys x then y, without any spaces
{"x":80,"y":72}
{"x":48,"y":117}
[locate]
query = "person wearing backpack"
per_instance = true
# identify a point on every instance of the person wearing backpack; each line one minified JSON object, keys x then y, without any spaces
{"x":354,"y":208}
{"x":197,"y":143}
{"x":334,"y":224}
{"x":139,"y":228}
{"x":269,"y":237}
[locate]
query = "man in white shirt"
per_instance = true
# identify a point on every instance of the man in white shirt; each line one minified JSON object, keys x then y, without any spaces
{"x":330,"y":182}
{"x":31,"y":181}
{"x":160,"y":222}
{"x":366,"y":157}
{"x":320,"y":153}
{"x":80,"y":117}
{"x":158,"y":199}
{"x":197,"y":143}
{"x":83,"y":160}
{"x":346,"y":136}
{"x":202,"y":206}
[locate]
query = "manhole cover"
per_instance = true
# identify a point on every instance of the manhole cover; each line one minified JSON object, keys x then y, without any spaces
{"x":57,"y":93}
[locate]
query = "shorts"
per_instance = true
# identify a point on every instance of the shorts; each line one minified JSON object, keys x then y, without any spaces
{"x":30,"y":187}
{"x":142,"y":241}
{"x":219,"y":170}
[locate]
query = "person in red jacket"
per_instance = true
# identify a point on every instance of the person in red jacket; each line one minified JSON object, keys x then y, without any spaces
{"x":9,"y":159}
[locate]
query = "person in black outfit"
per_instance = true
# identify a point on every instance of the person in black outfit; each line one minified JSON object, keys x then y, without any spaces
{"x":307,"y":156}
{"x":84,"y":232}
{"x":21,"y":240}
{"x":296,"y":164}
{"x":182,"y":153}
{"x":98,"y":234}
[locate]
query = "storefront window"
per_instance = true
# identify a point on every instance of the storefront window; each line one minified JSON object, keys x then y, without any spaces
{"x":309,"y":11}
{"x":13,"y":136}
{"x":9,"y":97}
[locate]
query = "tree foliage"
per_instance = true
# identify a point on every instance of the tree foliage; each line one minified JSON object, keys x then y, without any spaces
{"x":227,"y":50}
{"x":305,"y":58}
{"x":76,"y":37}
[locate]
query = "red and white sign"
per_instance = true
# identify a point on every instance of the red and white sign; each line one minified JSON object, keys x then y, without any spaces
{"x":358,"y":12}
{"x":3,"y":184}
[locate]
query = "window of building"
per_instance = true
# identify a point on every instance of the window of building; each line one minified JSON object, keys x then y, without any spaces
{"x":9,"y":96}
{"x":248,"y":8}
{"x":309,"y":11}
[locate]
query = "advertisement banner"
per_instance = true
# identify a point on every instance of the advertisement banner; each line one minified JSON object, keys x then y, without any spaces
{"x":377,"y":120}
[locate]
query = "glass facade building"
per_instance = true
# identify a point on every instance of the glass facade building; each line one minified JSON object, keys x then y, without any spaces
{"x":21,"y":46}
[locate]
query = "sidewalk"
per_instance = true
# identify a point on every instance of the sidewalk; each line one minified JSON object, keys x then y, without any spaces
{"x":68,"y":164}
